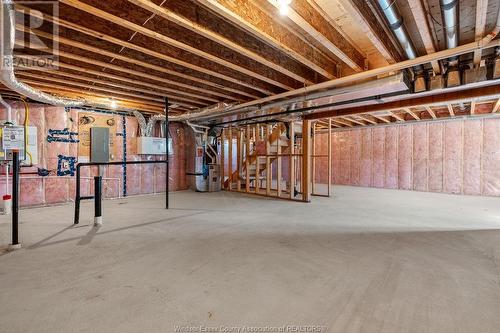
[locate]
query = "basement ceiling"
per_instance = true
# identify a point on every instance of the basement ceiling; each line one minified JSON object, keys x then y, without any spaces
{"x":202,"y":52}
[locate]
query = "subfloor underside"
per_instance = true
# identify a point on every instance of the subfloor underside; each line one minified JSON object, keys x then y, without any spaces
{"x":365,"y":260}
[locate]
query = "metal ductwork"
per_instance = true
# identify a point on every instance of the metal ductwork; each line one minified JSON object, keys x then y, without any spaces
{"x":7,"y":75}
{"x":449,"y":9}
{"x":396,"y":24}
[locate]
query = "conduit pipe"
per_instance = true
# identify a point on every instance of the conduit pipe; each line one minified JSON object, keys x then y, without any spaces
{"x":306,"y":91}
{"x":396,"y":25}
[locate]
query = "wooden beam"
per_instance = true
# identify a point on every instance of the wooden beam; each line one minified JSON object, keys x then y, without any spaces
{"x":361,"y":12}
{"x":170,"y":41}
{"x":292,"y":160}
{"x":180,"y":101}
{"x":222,"y":158}
{"x":230,"y":159}
{"x":413,"y":114}
{"x":354,"y":121}
{"x":306,"y":160}
{"x":135,"y":62}
{"x":62,"y":90}
{"x":384,"y":119}
{"x":450,"y":110}
{"x":368,"y":119}
{"x":481,"y":12}
{"x":420,"y":17}
{"x":473,"y":107}
{"x":249,"y":17}
{"x":455,"y":97}
{"x":121,"y":86}
{"x":496,"y":108}
{"x":338,"y":121}
{"x":397,"y":116}
{"x":131,"y":46}
{"x":218,"y":38}
{"x":152,"y":87}
{"x":130,"y":71}
{"x":431,"y":112}
{"x":310,"y":20}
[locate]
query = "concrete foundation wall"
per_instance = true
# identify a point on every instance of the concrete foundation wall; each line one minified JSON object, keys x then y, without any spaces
{"x":460,"y":156}
{"x":141,"y":179}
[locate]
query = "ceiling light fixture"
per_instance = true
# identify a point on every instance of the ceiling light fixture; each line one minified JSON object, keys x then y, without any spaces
{"x":283,"y":6}
{"x":113,"y":104}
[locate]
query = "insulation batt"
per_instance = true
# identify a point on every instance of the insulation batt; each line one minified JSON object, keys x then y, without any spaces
{"x":459,"y":156}
{"x":38,"y":191}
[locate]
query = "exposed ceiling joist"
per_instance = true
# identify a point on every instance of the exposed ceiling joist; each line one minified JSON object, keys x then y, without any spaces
{"x":369,"y":119}
{"x":115,"y":85}
{"x":473,"y":107}
{"x":431,"y":112}
{"x":382,"y":118}
{"x":112,"y":55}
{"x":170,"y":41}
{"x":218,"y":38}
{"x":411,"y":113}
{"x":450,"y":109}
{"x":158,"y":55}
{"x":342,"y":122}
{"x":353,"y":120}
{"x":496,"y":108}
{"x":311,"y":21}
{"x":361,"y":12}
{"x":397,"y":116}
{"x":131,"y":46}
{"x":244,"y":14}
{"x":41,"y":79}
{"x":481,"y":11}
{"x":423,"y":27}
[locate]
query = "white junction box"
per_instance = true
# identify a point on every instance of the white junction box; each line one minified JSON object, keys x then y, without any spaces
{"x":151,"y":146}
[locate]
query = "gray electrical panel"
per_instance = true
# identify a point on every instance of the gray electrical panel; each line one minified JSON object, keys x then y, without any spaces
{"x":99,"y":144}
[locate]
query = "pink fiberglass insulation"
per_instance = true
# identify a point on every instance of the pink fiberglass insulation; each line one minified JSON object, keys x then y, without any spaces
{"x":391,"y":157}
{"x":455,"y":156}
{"x":344,"y":158}
{"x":453,"y":151}
{"x":336,"y":157}
{"x":378,"y":157}
{"x":436,"y":148}
{"x":420,"y":156}
{"x":473,"y":141}
{"x":365,"y":176}
{"x":36,"y":190}
{"x":405,"y":160}
{"x":491,"y":157}
{"x":355,"y":156}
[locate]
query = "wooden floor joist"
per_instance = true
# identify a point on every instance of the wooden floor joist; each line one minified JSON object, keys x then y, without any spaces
{"x":170,"y":41}
{"x":218,"y":38}
{"x":152,"y":53}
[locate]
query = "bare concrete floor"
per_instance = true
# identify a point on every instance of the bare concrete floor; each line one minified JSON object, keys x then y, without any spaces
{"x":365,"y":260}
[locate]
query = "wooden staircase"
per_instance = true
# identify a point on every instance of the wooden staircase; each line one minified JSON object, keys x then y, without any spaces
{"x":247,"y":177}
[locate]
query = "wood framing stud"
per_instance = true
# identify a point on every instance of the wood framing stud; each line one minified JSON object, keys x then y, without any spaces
{"x":397,"y":116}
{"x":411,"y":113}
{"x":496,"y":108}
{"x":450,"y":110}
{"x":431,"y":112}
{"x":384,"y":119}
